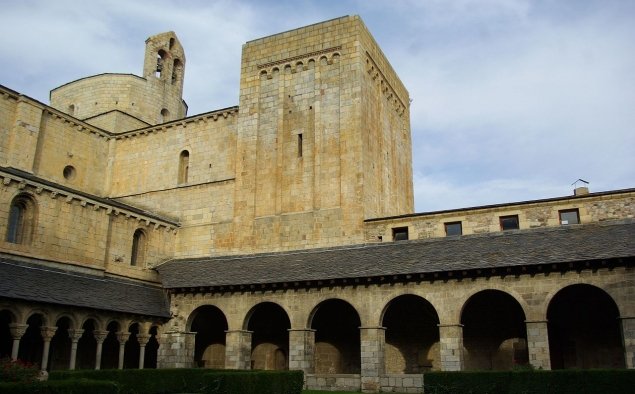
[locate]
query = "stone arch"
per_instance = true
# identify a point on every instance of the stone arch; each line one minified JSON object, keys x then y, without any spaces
{"x":60,"y":350}
{"x":132,"y":347}
{"x":177,"y":71}
{"x":275,"y":71}
{"x":323,"y":60}
{"x":337,"y":338}
{"x":139,"y":246}
{"x":184,"y":166}
{"x":31,"y":343}
{"x":494,"y":331}
{"x":110,"y":347}
{"x":299,"y":66}
{"x":22,"y":219}
{"x":210,"y":324}
{"x":311,"y":63}
{"x":7,"y":317}
{"x":87,"y":345}
{"x":583,"y":328}
{"x":412,"y":335}
{"x":152,"y":348}
{"x":494,"y":287}
{"x":287,"y":69}
{"x":164,"y":115}
{"x":161,"y":56}
{"x":335,"y":57}
{"x":269,"y":324}
{"x":263,"y":74}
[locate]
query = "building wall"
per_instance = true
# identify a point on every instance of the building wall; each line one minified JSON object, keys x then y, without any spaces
{"x":592,"y":208}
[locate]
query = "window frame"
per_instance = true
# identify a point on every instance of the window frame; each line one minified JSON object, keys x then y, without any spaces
{"x":400,"y":230}
{"x":446,"y":225}
{"x":503,"y":218}
{"x":565,"y":211}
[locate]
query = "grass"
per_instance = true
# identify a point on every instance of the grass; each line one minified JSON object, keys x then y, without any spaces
{"x":330,"y":392}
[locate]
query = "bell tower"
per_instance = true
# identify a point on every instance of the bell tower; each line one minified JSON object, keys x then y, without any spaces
{"x":165,"y":60}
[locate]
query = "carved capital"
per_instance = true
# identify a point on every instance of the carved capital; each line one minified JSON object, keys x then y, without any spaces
{"x":100,"y":336}
{"x":122,"y":337}
{"x":17,"y":330}
{"x":143,"y":339}
{"x":75,"y":333}
{"x":47,"y":333}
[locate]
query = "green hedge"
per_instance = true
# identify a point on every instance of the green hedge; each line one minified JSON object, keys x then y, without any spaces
{"x":80,"y":386}
{"x":196,"y":380}
{"x":531,"y":382}
{"x":254,"y":382}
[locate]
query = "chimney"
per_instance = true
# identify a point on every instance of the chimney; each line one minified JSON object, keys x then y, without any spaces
{"x":581,"y":191}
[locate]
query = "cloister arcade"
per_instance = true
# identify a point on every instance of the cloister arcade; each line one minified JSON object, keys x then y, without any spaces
{"x":55,"y":339}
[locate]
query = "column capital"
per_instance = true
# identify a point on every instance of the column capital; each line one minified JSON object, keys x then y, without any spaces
{"x":17,"y":330}
{"x":100,"y":335}
{"x":75,"y":333}
{"x":122,"y":337}
{"x":47,"y":332}
{"x":143,"y":339}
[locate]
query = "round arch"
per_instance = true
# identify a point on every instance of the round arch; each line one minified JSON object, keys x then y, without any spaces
{"x":31,"y":343}
{"x":210,"y":324}
{"x":496,"y":288}
{"x":337,"y":338}
{"x":583,"y":328}
{"x":412,"y":335}
{"x":110,"y":347}
{"x":269,"y":323}
{"x":87,"y":345}
{"x":60,"y":350}
{"x":494,"y":331}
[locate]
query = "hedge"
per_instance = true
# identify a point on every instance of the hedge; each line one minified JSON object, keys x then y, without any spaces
{"x":195,"y":380}
{"x":80,"y":386}
{"x":531,"y":382}
{"x":254,"y":382}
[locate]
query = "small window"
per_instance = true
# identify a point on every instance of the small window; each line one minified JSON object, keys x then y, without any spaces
{"x":138,"y":248}
{"x":569,"y":216}
{"x":453,"y":228}
{"x":299,"y":145}
{"x":400,"y":233}
{"x":164,"y":115}
{"x":177,"y":67}
{"x":69,"y":173}
{"x":21,"y":220}
{"x":509,"y":222}
{"x":184,"y":166}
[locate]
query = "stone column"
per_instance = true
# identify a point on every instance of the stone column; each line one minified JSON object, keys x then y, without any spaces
{"x":628,"y":341}
{"x":47,"y":335}
{"x":143,"y":341}
{"x":100,"y":337}
{"x":238,"y":349}
{"x":451,"y":343}
{"x":74,"y":334}
{"x":538,"y":344}
{"x":302,"y":350}
{"x":122,"y":337}
{"x":372,"y":341}
{"x":17,"y":331}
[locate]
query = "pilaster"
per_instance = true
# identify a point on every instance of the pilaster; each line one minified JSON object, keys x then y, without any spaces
{"x":238,"y":349}
{"x":176,"y":350}
{"x":628,"y":341}
{"x":372,"y":340}
{"x":302,"y":350}
{"x":451,"y":341}
{"x":538,"y":344}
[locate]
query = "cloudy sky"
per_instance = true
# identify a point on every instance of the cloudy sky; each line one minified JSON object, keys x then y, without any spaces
{"x":512,"y":99}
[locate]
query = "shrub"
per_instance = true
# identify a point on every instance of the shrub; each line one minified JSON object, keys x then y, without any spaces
{"x":531,"y":382}
{"x":255,"y":382}
{"x":17,"y":371}
{"x":60,"y":387}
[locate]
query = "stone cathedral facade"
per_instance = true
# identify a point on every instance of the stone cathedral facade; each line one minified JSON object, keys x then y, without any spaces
{"x":281,"y":233}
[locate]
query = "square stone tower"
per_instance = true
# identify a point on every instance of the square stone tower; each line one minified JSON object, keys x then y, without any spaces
{"x":323,"y":138}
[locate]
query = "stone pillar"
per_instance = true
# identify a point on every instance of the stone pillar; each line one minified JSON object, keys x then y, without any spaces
{"x":17,"y":331}
{"x":74,"y":334}
{"x":122,"y":337}
{"x":538,"y":344}
{"x":451,"y":343}
{"x":143,"y":341}
{"x":628,"y":341}
{"x":47,"y":335}
{"x":100,"y":337}
{"x":302,"y":350}
{"x":372,"y":340}
{"x":238,"y":349}
{"x":176,"y":350}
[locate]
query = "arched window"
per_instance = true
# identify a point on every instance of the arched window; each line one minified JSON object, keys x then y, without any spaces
{"x":138,"y":248}
{"x":164,"y":115}
{"x":161,"y":55}
{"x":21,"y":220}
{"x":176,"y":70}
{"x":184,"y":166}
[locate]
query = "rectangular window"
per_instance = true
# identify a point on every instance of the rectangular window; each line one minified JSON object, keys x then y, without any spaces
{"x":453,"y":228}
{"x":509,"y":222}
{"x":400,"y":233}
{"x":569,"y":216}
{"x":299,"y":145}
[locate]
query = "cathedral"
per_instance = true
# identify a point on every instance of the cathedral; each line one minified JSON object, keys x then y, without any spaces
{"x":281,"y":234}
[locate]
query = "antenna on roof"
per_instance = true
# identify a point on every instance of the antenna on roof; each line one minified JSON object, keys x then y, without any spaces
{"x":580,"y":190}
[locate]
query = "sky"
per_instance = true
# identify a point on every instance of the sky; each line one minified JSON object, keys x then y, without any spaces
{"x":512,"y":100}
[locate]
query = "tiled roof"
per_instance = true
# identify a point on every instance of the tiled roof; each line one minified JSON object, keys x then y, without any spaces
{"x":556,"y":245}
{"x":30,"y":282}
